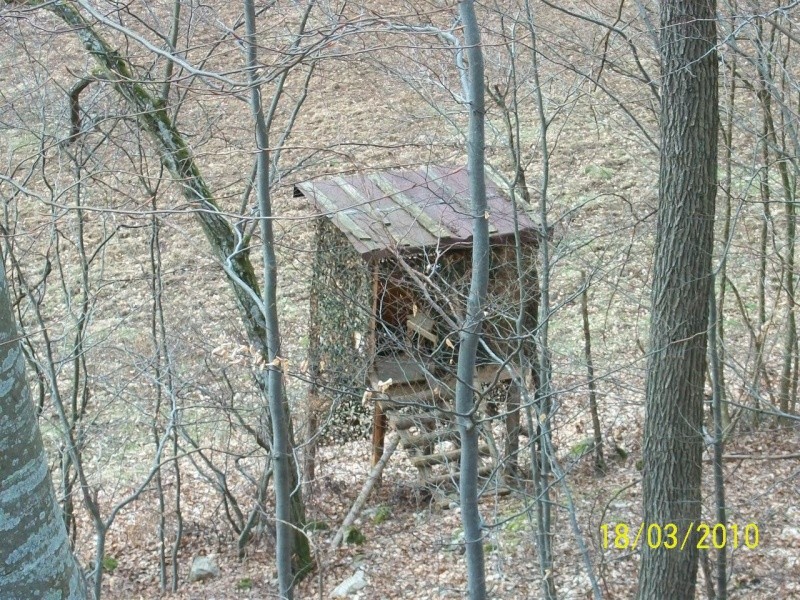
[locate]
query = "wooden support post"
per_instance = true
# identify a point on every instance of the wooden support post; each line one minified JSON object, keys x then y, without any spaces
{"x":379,"y":422}
{"x":378,"y":418}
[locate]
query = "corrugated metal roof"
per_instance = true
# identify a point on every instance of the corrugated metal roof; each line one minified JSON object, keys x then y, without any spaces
{"x":396,"y":211}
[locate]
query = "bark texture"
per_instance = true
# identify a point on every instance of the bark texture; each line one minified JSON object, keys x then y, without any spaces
{"x":470,"y":332}
{"x":35,"y":557}
{"x":178,"y":159}
{"x":673,"y":441}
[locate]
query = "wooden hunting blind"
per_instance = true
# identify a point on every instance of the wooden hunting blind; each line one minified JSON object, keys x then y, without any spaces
{"x":391,"y":273}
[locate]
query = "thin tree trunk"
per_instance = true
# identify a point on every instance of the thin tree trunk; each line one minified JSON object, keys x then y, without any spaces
{"x":726,"y":234}
{"x":158,"y":356}
{"x":544,"y":400}
{"x":790,"y":339}
{"x":599,"y":460}
{"x":470,"y":332}
{"x":673,"y":442}
{"x":281,"y":449}
{"x":770,"y":136}
{"x":528,"y":308}
{"x":173,"y":43}
{"x":764,"y":68}
{"x":719,"y":443}
{"x":762,"y":283}
{"x":787,"y":263}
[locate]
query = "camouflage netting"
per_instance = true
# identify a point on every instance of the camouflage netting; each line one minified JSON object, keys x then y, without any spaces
{"x":341,"y":304}
{"x":423,"y":282}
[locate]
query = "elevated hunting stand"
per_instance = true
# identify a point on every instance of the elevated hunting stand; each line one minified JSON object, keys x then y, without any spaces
{"x":390,"y":280}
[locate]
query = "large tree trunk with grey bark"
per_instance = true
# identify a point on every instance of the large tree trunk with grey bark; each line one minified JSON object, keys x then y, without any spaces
{"x":673,"y":442}
{"x":35,"y":557}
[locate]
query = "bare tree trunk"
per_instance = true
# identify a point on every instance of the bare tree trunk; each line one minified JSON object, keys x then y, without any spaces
{"x":599,"y":461}
{"x":766,"y":198}
{"x":178,"y":159}
{"x":719,"y":442}
{"x":542,"y":463}
{"x":766,"y":91}
{"x":281,"y":448}
{"x":787,"y":261}
{"x":470,"y":332}
{"x":673,"y":442}
{"x":790,"y":339}
{"x":34,"y":548}
{"x":726,"y":234}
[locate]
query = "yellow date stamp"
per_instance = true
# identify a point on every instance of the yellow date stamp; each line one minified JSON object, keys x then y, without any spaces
{"x":703,"y":536}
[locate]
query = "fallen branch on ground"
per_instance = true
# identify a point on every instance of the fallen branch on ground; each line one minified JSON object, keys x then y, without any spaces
{"x":374,"y":477}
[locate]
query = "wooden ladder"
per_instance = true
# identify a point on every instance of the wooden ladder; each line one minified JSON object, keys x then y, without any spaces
{"x":429,"y":434}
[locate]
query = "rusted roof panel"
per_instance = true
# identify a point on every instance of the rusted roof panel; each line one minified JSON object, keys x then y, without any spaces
{"x":396,"y":211}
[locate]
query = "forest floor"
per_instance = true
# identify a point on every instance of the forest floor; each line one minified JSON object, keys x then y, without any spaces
{"x":412,"y":549}
{"x":359,"y":115}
